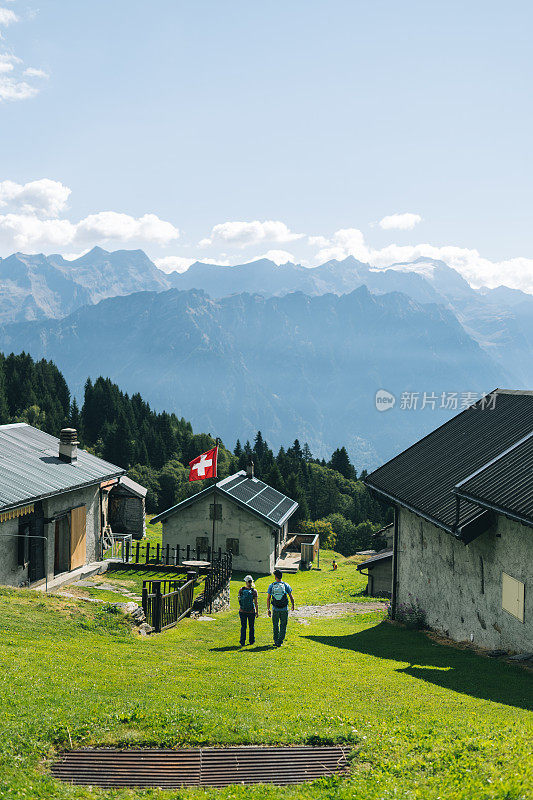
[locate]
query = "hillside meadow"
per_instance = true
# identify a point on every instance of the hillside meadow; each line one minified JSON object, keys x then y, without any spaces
{"x":424,"y":719}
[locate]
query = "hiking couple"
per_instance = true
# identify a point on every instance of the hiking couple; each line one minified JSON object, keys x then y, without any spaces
{"x":278,"y":596}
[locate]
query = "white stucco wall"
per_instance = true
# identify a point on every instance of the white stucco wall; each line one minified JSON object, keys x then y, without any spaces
{"x":256,"y":540}
{"x":460,"y":586}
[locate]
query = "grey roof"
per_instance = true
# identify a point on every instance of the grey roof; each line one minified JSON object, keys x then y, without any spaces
{"x":132,"y":486}
{"x":30,"y":468}
{"x":252,"y":494}
{"x":505,"y":484}
{"x":423,"y":478}
{"x":385,"y":555}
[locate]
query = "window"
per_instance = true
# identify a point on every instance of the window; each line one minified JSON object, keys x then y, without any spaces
{"x":513,"y":596}
{"x":232,"y":546}
{"x":202,"y":544}
{"x":23,"y":542}
{"x":215,"y":511}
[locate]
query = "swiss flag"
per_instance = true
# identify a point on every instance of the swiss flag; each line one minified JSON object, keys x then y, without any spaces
{"x":204,"y":466}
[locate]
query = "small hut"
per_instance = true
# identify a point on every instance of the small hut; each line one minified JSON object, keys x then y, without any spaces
{"x":126,"y":508}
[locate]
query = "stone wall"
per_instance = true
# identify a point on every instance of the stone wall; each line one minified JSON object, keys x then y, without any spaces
{"x":90,"y":497}
{"x":256,"y":539}
{"x":460,"y":586}
{"x":10,"y":572}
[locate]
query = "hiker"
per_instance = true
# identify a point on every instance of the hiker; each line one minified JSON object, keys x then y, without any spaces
{"x":248,"y":609}
{"x":279,"y":594}
{"x":334,"y":565}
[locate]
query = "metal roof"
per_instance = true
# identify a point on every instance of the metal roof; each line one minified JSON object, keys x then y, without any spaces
{"x":30,"y":468}
{"x":505,"y":484}
{"x":423,"y":478}
{"x":252,"y":494}
{"x":385,"y":555}
{"x":132,"y":486}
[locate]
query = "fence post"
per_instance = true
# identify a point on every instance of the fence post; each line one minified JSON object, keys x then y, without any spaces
{"x":128,"y":546}
{"x":147,"y":552}
{"x":188,"y":552}
{"x":167,"y":556}
{"x":145,"y":599}
{"x":158,"y":601}
{"x":197,"y":553}
{"x":137,"y":546}
{"x":157,"y":554}
{"x":209,"y":552}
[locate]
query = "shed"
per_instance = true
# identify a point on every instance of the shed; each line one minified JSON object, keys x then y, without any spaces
{"x":379,"y":572}
{"x":126,"y":508}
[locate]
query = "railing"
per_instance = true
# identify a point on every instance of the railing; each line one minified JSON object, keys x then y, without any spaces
{"x":216,"y":579}
{"x":163,"y":609}
{"x":148,"y":554}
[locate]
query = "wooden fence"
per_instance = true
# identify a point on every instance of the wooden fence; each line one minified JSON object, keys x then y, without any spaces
{"x":147,"y":554}
{"x":215,"y":580}
{"x":166,"y":602}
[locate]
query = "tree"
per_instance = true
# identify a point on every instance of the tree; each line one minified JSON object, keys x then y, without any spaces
{"x":341,"y":463}
{"x":324,"y":530}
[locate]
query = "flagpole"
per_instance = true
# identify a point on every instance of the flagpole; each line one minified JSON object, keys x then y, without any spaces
{"x":217,"y":440}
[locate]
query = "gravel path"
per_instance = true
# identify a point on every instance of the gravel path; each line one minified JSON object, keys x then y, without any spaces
{"x":336,"y":609}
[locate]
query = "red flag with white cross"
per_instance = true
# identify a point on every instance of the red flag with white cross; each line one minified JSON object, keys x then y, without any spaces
{"x":204,"y":466}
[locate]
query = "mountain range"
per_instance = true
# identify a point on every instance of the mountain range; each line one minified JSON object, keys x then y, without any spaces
{"x":292,"y":366}
{"x":290,"y":350}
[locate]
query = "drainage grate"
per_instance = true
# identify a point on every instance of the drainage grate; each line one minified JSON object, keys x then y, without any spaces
{"x":206,"y":766}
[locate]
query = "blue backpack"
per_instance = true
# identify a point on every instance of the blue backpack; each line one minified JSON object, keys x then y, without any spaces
{"x":246,"y":600}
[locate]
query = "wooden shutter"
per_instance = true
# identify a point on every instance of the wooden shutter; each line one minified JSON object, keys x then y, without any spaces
{"x":78,"y":542}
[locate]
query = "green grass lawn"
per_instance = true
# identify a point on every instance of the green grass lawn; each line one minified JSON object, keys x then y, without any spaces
{"x":425,"y":720}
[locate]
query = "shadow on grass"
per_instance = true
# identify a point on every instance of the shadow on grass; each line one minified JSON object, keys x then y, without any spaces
{"x":459,"y":670}
{"x":246,"y":649}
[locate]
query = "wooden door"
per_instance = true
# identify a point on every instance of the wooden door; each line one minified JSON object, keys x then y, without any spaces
{"x":78,"y":533}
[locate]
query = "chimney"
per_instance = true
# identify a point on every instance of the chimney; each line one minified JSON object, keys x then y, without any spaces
{"x":68,"y":445}
{"x":250,"y":469}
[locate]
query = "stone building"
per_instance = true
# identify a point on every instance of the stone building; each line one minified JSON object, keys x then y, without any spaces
{"x":52,"y":504}
{"x":251,"y":521}
{"x":378,"y":568}
{"x":463,"y":538}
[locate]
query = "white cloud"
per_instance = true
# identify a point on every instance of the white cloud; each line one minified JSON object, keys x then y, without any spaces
{"x":13,"y":89}
{"x":44,"y":196}
{"x":7,"y":16}
{"x":277,"y":256}
{"x":111,"y":225}
{"x":174,"y":263}
{"x":243,"y":234}
{"x":477,"y":270}
{"x":344,"y":242}
{"x":29,"y":233}
{"x":32,"y":72}
{"x":400,"y":222}
{"x":13,"y":83}
{"x":181,"y":263}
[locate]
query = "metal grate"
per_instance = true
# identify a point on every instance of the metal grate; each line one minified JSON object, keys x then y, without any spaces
{"x":206,"y":766}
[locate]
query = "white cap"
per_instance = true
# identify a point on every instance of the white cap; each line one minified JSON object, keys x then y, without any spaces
{"x":248,"y":578}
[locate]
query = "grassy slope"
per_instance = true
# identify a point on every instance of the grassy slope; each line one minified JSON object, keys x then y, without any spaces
{"x":426,"y":721}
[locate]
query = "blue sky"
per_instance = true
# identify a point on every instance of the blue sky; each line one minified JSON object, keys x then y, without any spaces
{"x":320,"y":119}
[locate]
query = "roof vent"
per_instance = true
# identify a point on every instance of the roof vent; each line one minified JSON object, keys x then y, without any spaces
{"x":68,"y":445}
{"x":250,"y":469}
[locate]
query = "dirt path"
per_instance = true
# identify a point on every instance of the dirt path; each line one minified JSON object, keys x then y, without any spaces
{"x":336,"y":609}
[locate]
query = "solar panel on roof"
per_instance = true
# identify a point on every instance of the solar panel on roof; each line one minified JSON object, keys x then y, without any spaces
{"x":233,"y":482}
{"x":245,"y":491}
{"x":281,"y":510}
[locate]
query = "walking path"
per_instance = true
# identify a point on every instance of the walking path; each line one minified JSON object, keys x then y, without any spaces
{"x":337,"y":609}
